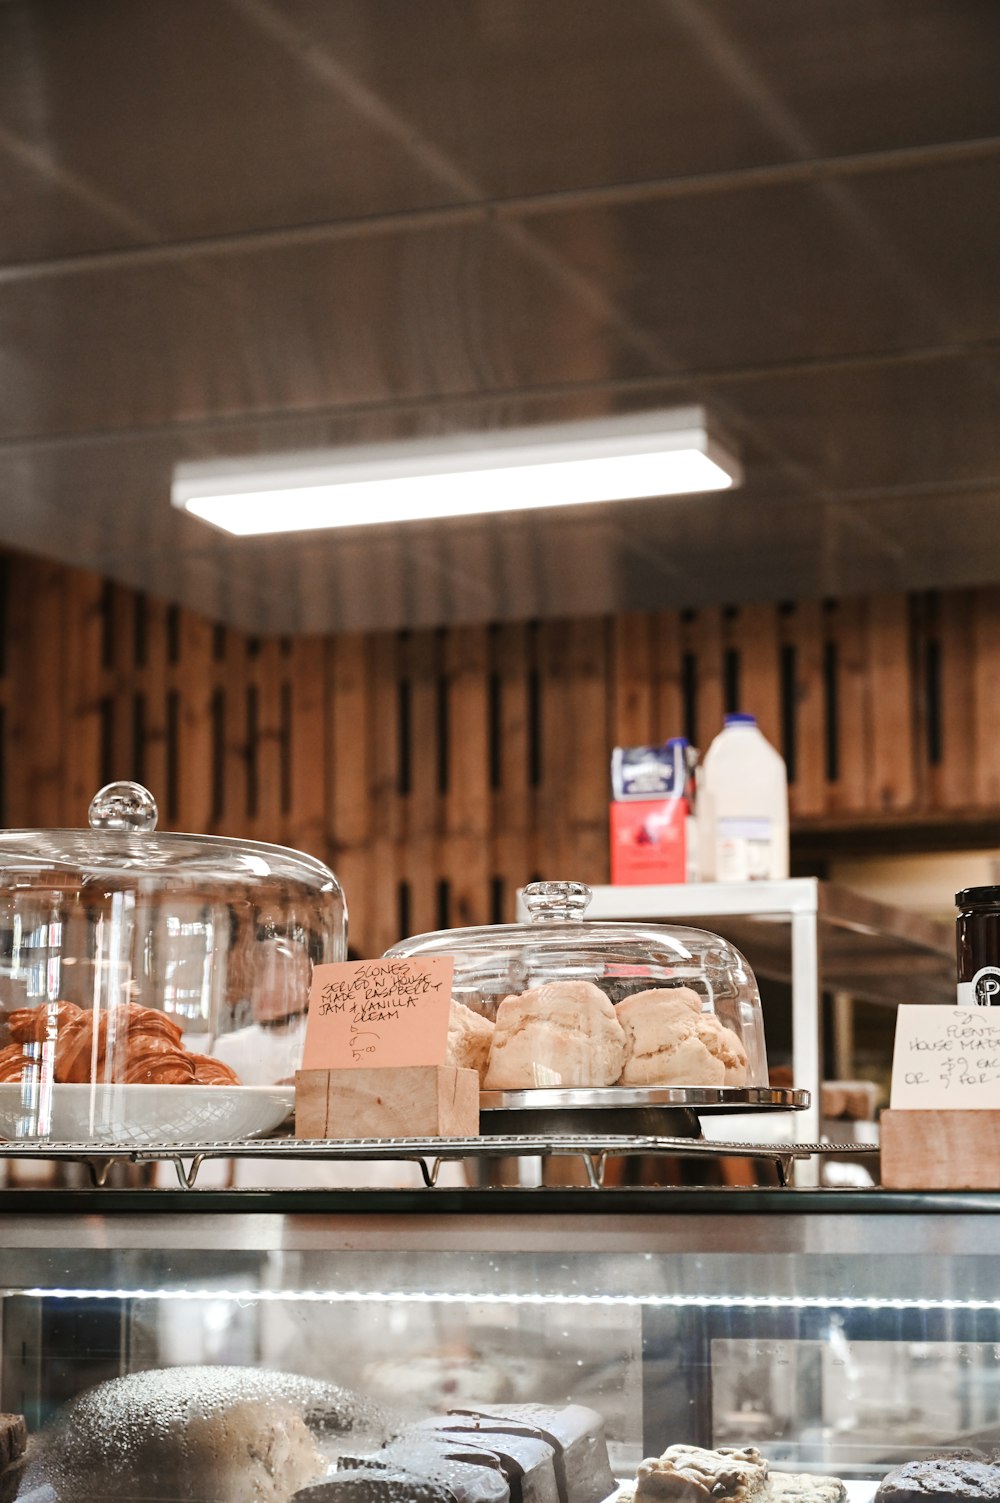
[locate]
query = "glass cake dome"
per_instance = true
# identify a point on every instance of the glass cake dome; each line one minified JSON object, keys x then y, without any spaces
{"x":154,"y":987}
{"x":560,"y":1003}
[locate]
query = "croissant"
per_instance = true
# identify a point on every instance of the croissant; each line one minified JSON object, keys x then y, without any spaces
{"x":75,"y":1052}
{"x":152,"y":1043}
{"x":158,"y":1067}
{"x":23,"y":1025}
{"x":33,"y":1025}
{"x":12,"y":1061}
{"x":133,"y":1045}
{"x":130,"y":1029}
{"x":209,"y":1071}
{"x":130,"y":1018}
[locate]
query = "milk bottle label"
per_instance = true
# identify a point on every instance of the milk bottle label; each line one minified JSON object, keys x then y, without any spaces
{"x":983,"y":990}
{"x":743,"y":851}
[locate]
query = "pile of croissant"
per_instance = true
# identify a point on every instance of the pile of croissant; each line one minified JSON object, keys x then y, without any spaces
{"x":130,"y":1045}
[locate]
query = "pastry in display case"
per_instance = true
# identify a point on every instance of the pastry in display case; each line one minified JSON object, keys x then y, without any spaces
{"x":153,"y":987}
{"x":559,"y":1004}
{"x":225,"y":1433}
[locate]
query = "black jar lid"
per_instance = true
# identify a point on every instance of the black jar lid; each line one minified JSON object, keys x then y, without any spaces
{"x":978,"y":897}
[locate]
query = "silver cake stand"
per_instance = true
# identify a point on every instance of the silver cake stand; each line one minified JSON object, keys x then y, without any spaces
{"x":673,"y":1111}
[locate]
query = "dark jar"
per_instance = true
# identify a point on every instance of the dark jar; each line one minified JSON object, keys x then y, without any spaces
{"x":977,"y":933}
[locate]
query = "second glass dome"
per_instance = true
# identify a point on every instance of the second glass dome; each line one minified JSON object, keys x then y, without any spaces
{"x":560,"y":1003}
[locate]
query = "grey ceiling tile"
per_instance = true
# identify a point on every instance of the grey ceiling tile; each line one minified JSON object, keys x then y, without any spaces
{"x":745,"y":278}
{"x":868,"y":75}
{"x":529,"y":98}
{"x":931,"y":423}
{"x":439,"y":312}
{"x":194,"y":120}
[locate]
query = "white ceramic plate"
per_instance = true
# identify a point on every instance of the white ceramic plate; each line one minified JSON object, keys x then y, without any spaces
{"x":136,"y":1114}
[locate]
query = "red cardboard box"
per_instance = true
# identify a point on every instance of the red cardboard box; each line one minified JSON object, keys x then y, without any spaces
{"x":649,"y":841}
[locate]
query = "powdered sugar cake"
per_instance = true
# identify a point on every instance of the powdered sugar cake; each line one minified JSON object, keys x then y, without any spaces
{"x":196,"y":1435}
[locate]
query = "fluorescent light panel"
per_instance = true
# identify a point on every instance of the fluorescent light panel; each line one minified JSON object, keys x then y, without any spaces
{"x":569,"y":464}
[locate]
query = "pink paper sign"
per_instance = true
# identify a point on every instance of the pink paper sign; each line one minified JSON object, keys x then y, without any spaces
{"x":367,"y":1013}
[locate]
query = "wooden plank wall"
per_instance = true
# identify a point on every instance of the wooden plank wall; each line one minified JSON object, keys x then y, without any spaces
{"x":439,"y":770}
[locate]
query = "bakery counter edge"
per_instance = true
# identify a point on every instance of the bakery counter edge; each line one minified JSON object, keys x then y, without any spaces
{"x":839,"y":1222}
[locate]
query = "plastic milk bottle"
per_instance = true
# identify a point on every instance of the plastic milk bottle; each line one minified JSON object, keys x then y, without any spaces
{"x":742,"y":806}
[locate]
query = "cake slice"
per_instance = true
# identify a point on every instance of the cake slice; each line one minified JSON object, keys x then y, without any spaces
{"x":528,"y":1462}
{"x":424,"y":1454}
{"x":427,"y":1477}
{"x":576,"y":1435}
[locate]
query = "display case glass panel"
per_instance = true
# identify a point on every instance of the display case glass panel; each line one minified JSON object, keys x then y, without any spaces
{"x":835,"y":1344}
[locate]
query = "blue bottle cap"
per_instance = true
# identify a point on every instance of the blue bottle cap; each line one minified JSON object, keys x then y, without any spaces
{"x":740,"y":718}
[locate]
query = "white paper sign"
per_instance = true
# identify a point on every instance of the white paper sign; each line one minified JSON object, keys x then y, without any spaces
{"x":946,"y":1057}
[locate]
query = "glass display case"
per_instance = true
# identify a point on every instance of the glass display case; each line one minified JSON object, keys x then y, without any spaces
{"x":837,"y":1334}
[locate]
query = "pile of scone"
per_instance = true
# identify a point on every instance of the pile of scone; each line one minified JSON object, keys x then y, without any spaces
{"x":691,"y":1474}
{"x":567,"y":1033}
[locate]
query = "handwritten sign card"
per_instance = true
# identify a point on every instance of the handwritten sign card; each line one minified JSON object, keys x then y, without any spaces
{"x":368,"y":1013}
{"x":946,"y":1057}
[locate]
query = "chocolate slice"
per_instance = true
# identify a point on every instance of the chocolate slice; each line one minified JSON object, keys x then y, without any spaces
{"x":377,"y":1485}
{"x":528,"y":1462}
{"x":418,"y":1451}
{"x":576,"y":1434}
{"x":431,"y":1478}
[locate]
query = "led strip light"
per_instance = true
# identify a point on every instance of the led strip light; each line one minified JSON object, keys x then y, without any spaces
{"x":491,"y":1297}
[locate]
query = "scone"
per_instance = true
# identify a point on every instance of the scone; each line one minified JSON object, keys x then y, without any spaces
{"x":691,"y":1474}
{"x":725,"y":1045}
{"x":562,"y":1034}
{"x":670,"y":1041}
{"x":469,"y":1038}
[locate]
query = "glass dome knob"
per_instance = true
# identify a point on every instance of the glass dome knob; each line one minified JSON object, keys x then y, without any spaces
{"x":123,"y":806}
{"x":555,"y":902}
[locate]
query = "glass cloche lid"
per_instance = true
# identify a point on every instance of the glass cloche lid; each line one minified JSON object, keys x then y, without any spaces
{"x":122,"y":839}
{"x":559,"y":1001}
{"x":154,"y":986}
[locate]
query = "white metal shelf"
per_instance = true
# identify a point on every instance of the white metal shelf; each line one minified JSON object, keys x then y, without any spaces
{"x":819,"y":938}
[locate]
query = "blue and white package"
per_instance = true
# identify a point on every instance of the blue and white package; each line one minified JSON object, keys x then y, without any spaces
{"x":645,"y":772}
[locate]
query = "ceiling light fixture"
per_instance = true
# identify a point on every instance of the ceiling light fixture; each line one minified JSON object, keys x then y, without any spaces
{"x":663,"y":453}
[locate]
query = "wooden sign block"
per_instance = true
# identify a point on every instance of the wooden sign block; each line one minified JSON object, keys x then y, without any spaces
{"x":940,"y":1150}
{"x":410,"y":1101}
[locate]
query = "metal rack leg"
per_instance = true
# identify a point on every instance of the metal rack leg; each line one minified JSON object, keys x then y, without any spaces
{"x":843,"y":1035}
{"x":807,"y":1035}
